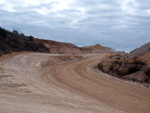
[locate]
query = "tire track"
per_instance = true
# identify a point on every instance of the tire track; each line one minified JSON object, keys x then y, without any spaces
{"x":74,"y":87}
{"x":116,"y":93}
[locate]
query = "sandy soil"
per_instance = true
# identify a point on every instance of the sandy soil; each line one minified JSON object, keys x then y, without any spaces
{"x":30,"y":84}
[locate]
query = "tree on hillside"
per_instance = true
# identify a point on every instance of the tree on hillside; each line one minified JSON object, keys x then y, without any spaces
{"x":30,"y":38}
{"x":3,"y":32}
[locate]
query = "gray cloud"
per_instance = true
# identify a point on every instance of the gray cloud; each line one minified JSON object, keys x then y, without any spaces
{"x":120,"y":24}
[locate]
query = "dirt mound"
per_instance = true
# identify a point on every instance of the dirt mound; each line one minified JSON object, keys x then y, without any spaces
{"x":60,"y":47}
{"x":68,"y":48}
{"x":98,"y":49}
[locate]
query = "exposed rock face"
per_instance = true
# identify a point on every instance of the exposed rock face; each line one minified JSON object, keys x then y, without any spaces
{"x":139,"y":51}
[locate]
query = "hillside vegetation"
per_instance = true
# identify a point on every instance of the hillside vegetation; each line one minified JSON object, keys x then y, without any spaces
{"x":133,"y":66}
{"x":15,"y":42}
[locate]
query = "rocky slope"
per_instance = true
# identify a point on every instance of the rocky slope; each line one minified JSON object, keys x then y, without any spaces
{"x":133,"y":66}
{"x":139,"y":51}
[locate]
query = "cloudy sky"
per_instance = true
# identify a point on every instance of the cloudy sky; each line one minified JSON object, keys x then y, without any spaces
{"x":120,"y":24}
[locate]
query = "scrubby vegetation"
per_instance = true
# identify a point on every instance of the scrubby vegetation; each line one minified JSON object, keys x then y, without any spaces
{"x":135,"y":69}
{"x":15,"y":42}
{"x":147,"y":71}
{"x":120,"y":67}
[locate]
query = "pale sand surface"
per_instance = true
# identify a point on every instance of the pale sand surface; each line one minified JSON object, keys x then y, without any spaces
{"x":27,"y":86}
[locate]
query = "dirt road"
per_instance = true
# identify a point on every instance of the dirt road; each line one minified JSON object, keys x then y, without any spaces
{"x":34,"y":83}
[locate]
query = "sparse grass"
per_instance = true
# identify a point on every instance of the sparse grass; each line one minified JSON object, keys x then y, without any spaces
{"x":121,"y":67}
{"x":147,"y":71}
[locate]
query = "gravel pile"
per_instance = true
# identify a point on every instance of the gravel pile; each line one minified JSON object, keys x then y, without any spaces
{"x":139,"y":51}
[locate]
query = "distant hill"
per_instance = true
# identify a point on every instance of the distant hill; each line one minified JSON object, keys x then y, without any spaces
{"x":98,"y":49}
{"x":60,"y":47}
{"x":17,"y":42}
{"x":68,"y":48}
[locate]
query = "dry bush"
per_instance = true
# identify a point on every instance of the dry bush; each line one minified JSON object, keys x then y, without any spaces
{"x":147,"y":71}
{"x":120,"y":67}
{"x":100,"y":67}
{"x":15,"y":42}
